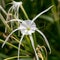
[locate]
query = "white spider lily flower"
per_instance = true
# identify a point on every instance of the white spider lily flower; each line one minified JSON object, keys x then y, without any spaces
{"x":14,"y":13}
{"x":15,"y":8}
{"x":27,"y":27}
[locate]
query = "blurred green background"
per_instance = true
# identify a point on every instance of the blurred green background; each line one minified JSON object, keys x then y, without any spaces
{"x":48,"y":23}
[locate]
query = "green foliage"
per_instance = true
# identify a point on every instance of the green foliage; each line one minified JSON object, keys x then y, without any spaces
{"x":49,"y":23}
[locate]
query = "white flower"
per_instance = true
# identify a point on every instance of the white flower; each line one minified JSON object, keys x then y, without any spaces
{"x":13,"y":12}
{"x":15,"y":8}
{"x":27,"y":27}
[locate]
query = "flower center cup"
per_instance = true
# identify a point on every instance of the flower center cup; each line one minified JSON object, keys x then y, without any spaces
{"x":27,"y":27}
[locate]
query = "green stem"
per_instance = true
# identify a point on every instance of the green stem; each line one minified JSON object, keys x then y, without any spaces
{"x":34,"y":35}
{"x":9,"y":44}
{"x":15,"y":39}
{"x":3,"y":20}
{"x":56,"y":17}
{"x":13,"y":46}
{"x":3,"y":10}
{"x":24,"y":12}
{"x":16,"y":57}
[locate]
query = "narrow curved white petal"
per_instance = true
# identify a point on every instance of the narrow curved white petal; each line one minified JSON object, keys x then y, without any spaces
{"x":19,"y":46}
{"x":5,"y":29}
{"x":45,"y":39}
{"x":32,"y":42}
{"x":8,"y":37}
{"x":10,"y":9}
{"x":17,"y":12}
{"x":3,"y":10}
{"x":16,"y":15}
{"x":14,"y":20}
{"x":12,"y":24}
{"x":8,"y":17}
{"x":42,"y":13}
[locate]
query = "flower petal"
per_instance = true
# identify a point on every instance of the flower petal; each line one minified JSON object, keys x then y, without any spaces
{"x":19,"y":46}
{"x":10,"y":9}
{"x":33,"y":46}
{"x":14,"y":20}
{"x":8,"y":37}
{"x":45,"y":39}
{"x":42,"y":13}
